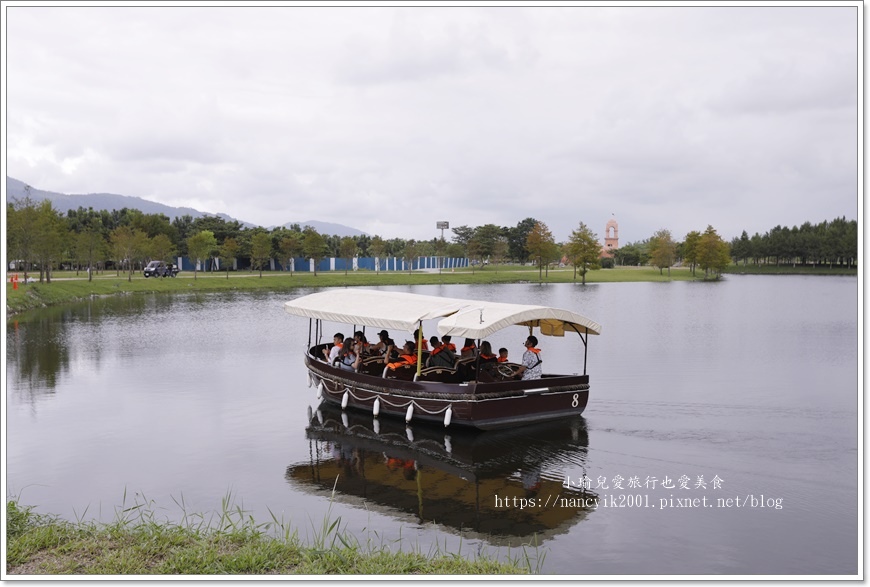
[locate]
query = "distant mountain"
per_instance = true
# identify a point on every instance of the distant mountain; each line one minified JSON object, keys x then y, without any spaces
{"x":327,"y":228}
{"x":65,"y":202}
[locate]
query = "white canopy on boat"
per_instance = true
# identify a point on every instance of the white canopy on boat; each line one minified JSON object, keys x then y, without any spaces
{"x":461,"y":318}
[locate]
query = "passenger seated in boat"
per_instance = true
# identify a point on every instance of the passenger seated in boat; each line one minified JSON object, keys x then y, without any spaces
{"x":408,"y":356}
{"x":486,"y":355}
{"x":329,"y":354}
{"x":348,"y":358}
{"x":531,"y":365}
{"x":446,"y":340}
{"x":440,"y":355}
{"x":502,"y":355}
{"x":385,"y":346}
{"x":361,"y":343}
{"x":424,"y":346}
{"x":469,"y":350}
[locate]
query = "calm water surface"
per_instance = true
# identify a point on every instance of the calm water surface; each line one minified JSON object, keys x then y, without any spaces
{"x":744,"y":392}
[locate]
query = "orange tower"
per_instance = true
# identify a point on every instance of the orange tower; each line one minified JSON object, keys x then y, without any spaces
{"x":611,"y":238}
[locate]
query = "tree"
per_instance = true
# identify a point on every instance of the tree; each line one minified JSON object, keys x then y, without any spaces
{"x":690,"y":249}
{"x":127,"y":246}
{"x":741,"y":248}
{"x":261,"y":250}
{"x":184,"y":229}
{"x":440,"y":249}
{"x":487,"y":235}
{"x":378,"y":248}
{"x":21,"y":235}
{"x":499,"y":251}
{"x":409,"y":253}
{"x":517,"y":238}
{"x":462,"y":234}
{"x":228,"y":251}
{"x":89,"y":246}
{"x":662,"y":250}
{"x":200,"y":247}
{"x":50,"y":232}
{"x":290,"y":247}
{"x":221,"y":229}
{"x":540,"y":244}
{"x":162,"y":247}
{"x":313,"y":246}
{"x":584,"y":251}
{"x":347,"y":250}
{"x":713,"y":252}
{"x":474,"y":250}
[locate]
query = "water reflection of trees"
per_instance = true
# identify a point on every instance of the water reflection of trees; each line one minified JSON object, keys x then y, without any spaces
{"x":38,"y":352}
{"x":40,"y":343}
{"x":452,"y":478}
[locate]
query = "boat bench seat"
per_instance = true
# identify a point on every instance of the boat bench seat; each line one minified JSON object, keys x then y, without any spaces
{"x":439,"y":374}
{"x":404,"y":372}
{"x":371,"y":366}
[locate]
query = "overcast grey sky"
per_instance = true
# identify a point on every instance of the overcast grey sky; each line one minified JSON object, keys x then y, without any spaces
{"x":390,"y":119}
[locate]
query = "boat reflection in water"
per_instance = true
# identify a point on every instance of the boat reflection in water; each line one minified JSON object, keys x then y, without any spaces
{"x":505,"y":486}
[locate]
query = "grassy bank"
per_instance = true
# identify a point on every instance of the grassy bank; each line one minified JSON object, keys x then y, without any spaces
{"x":67,"y":287}
{"x":752,"y":269}
{"x":230,"y":543}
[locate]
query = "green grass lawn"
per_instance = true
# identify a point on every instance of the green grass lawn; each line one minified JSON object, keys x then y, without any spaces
{"x":68,"y":287}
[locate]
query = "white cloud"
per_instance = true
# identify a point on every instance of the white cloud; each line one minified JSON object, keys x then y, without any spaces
{"x":388,"y":119}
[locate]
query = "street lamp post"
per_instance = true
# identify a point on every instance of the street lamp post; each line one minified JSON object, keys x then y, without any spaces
{"x":443,"y":225}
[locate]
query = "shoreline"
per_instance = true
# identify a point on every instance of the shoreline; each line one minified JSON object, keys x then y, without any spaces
{"x":67,"y":287}
{"x":135,"y":543}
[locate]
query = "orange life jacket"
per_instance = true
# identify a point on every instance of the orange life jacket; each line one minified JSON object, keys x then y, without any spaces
{"x":467,"y":348}
{"x":487,"y":357}
{"x":403,"y":360}
{"x":502,"y":359}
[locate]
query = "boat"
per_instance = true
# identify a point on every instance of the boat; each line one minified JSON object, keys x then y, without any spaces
{"x":504,"y":486}
{"x":469,"y":394}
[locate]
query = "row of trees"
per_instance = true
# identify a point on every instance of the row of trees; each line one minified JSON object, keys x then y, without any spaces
{"x":40,"y":236}
{"x":827,"y":243}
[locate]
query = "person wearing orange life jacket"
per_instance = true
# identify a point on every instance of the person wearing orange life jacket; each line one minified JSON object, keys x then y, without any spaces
{"x":486,"y":355}
{"x":408,"y":356}
{"x":446,"y":340}
{"x":469,"y":349}
{"x":502,"y":355}
{"x":441,"y":355}
{"x":347,"y":357}
{"x":423,"y":344}
{"x":330,"y":353}
{"x":361,"y":343}
{"x":531,"y":365}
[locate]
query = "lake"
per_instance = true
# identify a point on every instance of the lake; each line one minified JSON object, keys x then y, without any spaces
{"x":721,"y":435}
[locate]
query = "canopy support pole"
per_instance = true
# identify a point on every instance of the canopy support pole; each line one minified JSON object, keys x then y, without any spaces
{"x":419,"y":347}
{"x":585,"y":346}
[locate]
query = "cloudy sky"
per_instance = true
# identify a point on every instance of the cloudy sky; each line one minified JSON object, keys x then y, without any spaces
{"x":390,"y":119}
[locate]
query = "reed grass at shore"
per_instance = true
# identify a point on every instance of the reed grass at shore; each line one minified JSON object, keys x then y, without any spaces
{"x":226,"y":543}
